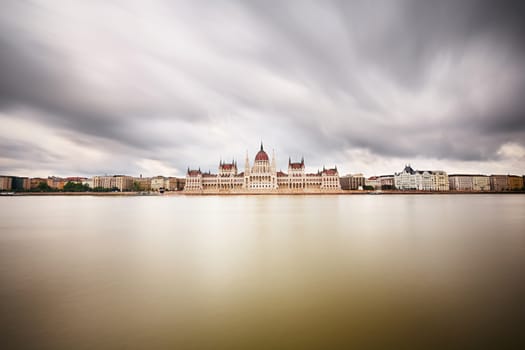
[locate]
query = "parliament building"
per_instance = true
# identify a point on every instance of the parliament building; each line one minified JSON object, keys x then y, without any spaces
{"x":262,"y":177}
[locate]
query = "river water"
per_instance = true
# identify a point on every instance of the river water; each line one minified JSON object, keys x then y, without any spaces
{"x":250,"y":272}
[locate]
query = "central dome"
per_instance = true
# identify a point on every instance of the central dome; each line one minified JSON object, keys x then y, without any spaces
{"x":261,"y":155}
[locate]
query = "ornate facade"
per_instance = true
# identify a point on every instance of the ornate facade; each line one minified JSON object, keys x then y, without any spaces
{"x":421,"y":180}
{"x":262,"y":177}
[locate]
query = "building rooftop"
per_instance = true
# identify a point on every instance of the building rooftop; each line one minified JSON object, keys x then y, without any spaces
{"x":261,"y":155}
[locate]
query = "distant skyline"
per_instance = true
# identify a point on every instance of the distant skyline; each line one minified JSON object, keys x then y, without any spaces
{"x":152,"y":87}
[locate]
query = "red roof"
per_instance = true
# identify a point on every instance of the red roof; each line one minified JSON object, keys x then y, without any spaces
{"x":226,"y":166}
{"x":194,"y":172}
{"x":330,"y":172}
{"x":261,"y":155}
{"x":280,"y":174}
{"x":296,"y":165}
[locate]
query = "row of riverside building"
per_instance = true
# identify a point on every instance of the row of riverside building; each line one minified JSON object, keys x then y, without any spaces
{"x":262,"y":176}
{"x":122,"y":183}
{"x":434,"y":180}
{"x":415,"y":180}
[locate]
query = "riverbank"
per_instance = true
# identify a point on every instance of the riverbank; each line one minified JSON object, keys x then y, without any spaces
{"x":104,"y":194}
{"x":341,"y":192}
{"x":239,"y":193}
{"x":287,"y":193}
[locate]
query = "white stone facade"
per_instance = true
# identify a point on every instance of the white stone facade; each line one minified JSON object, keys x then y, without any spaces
{"x":421,"y":180}
{"x":262,"y":177}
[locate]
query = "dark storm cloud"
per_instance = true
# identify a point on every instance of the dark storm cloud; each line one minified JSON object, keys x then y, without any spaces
{"x":21,"y":150}
{"x":402,"y":79}
{"x":414,"y":32}
{"x":36,"y":76}
{"x":401,"y":40}
{"x":39,"y":74}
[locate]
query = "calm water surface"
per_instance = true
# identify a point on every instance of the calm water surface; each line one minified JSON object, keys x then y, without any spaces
{"x":249,"y":272}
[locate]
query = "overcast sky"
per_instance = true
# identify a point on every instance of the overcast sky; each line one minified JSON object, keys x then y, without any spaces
{"x":152,"y":87}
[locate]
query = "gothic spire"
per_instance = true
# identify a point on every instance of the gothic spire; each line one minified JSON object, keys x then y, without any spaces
{"x":274,"y":165}
{"x":246,"y":164}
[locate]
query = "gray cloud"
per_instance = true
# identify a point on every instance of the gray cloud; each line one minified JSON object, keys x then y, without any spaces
{"x":183,"y":84}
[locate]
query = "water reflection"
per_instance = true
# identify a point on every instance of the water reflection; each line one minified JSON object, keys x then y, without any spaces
{"x":262,"y":271}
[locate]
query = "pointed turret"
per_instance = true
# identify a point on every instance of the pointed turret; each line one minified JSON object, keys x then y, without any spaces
{"x":246,"y":164}
{"x":273,"y":161}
